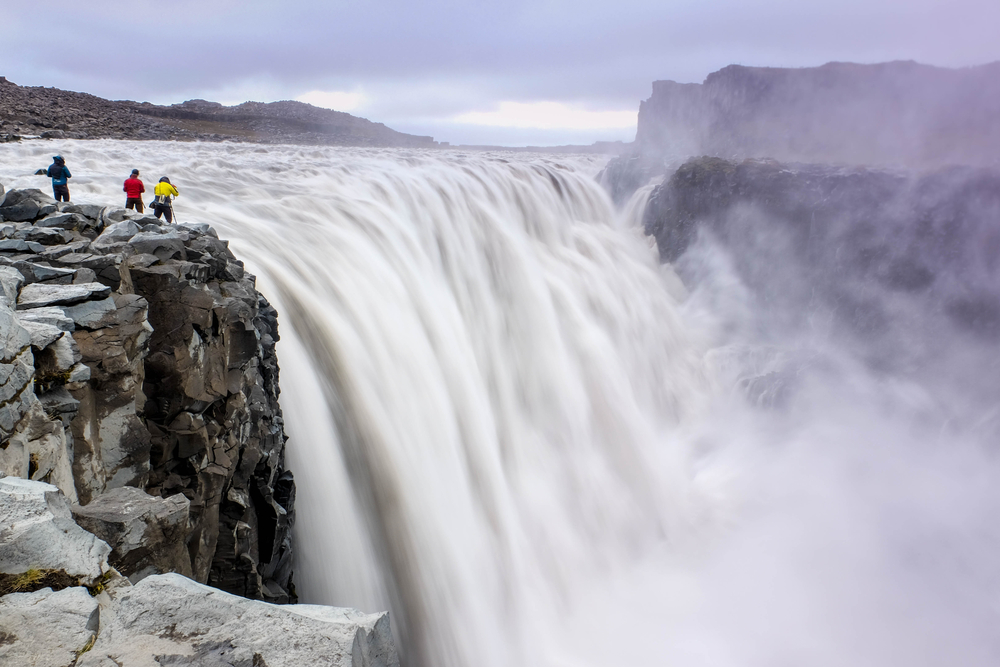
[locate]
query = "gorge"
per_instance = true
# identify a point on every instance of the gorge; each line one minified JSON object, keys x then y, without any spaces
{"x":746,"y":417}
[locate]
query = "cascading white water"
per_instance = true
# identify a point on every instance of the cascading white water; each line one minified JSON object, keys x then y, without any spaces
{"x":514,"y":429}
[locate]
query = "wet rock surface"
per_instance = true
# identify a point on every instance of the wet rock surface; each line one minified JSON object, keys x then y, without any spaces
{"x":135,"y":354}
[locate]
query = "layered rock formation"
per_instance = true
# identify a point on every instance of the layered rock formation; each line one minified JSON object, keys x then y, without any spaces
{"x":141,"y":355}
{"x":61,"y":114}
{"x":898,"y":113}
{"x":67,"y":606}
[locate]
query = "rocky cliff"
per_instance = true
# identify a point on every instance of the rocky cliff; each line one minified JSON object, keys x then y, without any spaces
{"x":884,"y":256}
{"x":139,"y":377}
{"x":898,"y":113}
{"x":895,"y":115}
{"x":62,"y":114}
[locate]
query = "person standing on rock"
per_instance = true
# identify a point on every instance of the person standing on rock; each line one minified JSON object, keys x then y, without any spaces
{"x":58,"y":172}
{"x":161,"y":204}
{"x":133,"y":192}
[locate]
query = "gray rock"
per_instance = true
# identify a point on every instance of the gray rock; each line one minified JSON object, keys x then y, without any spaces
{"x":17,"y":368}
{"x":14,"y":245}
{"x":38,"y":449}
{"x":47,"y":236}
{"x":42,"y":335}
{"x":20,"y":212}
{"x":37,"y":295}
{"x":91,"y":314}
{"x":200,"y":228}
{"x":53,"y":315}
{"x":39,"y":273}
{"x":167,"y":245}
{"x":147,"y":533}
{"x":84,"y":275}
{"x":60,"y":403}
{"x":6,"y":231}
{"x":90,"y":211}
{"x":10,"y":284}
{"x":116,"y":233}
{"x":190,"y":624}
{"x":46,"y":627}
{"x":64,"y":220}
{"x":112,"y":214}
{"x":37,"y":530}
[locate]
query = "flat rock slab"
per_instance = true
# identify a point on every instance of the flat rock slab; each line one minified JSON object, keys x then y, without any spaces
{"x":38,"y":295}
{"x":20,"y":245}
{"x":170,"y":620}
{"x":53,"y":315}
{"x":92,"y":314}
{"x":37,"y":531}
{"x":46,"y":627}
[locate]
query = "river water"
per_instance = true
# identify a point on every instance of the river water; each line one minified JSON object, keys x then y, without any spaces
{"x":534,"y":445}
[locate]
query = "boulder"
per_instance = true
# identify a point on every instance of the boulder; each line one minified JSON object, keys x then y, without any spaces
{"x":90,"y":211}
{"x":25,"y":209}
{"x":114,"y":234}
{"x":167,"y":245}
{"x":182,"y":622}
{"x":38,"y":295}
{"x":37,"y":531}
{"x":47,"y":627}
{"x":47,"y":236}
{"x":146,"y":533}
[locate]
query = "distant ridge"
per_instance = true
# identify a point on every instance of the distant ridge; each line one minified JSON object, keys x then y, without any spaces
{"x":55,"y":113}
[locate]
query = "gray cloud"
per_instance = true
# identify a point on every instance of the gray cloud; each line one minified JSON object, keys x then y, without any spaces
{"x":422,"y":63}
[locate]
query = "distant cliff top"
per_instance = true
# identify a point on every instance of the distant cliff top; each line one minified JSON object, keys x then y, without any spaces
{"x":896,"y":113}
{"x":59,"y":113}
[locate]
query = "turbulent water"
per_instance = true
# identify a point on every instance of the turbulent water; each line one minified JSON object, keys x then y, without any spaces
{"x":534,"y":445}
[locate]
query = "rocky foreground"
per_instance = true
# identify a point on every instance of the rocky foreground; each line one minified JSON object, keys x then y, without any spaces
{"x":61,"y":114}
{"x":140,"y":435}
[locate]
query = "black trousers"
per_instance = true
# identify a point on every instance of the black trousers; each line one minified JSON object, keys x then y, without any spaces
{"x":134,"y":202}
{"x":60,"y":192}
{"x":164,"y":210}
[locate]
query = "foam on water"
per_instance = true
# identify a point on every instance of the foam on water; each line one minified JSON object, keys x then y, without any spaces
{"x":513,"y":428}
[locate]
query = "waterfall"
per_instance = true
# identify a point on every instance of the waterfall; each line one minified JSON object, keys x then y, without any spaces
{"x":513,"y":428}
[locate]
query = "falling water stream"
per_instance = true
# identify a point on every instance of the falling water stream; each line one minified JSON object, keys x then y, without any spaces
{"x":534,"y":445}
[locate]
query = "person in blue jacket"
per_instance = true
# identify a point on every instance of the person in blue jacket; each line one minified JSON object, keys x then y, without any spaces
{"x":58,"y":172}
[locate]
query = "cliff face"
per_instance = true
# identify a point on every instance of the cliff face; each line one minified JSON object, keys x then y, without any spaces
{"x":898,"y":113}
{"x":140,"y":378}
{"x":58,"y":114}
{"x":888,"y":256}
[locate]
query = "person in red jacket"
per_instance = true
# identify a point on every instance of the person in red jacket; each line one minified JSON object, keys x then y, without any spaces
{"x":133,"y":192}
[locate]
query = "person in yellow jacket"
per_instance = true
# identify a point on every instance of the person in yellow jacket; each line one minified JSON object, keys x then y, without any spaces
{"x":161,"y":204}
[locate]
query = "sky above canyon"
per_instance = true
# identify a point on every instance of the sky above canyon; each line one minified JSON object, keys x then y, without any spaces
{"x":545,"y":72}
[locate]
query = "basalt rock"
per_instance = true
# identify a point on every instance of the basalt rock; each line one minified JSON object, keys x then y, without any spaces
{"x":61,"y":603}
{"x":141,"y":355}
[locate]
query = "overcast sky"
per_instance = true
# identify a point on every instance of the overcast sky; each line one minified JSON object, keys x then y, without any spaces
{"x":543,"y":72}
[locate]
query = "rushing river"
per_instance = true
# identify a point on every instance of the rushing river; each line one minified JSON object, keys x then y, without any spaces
{"x":513,"y":428}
